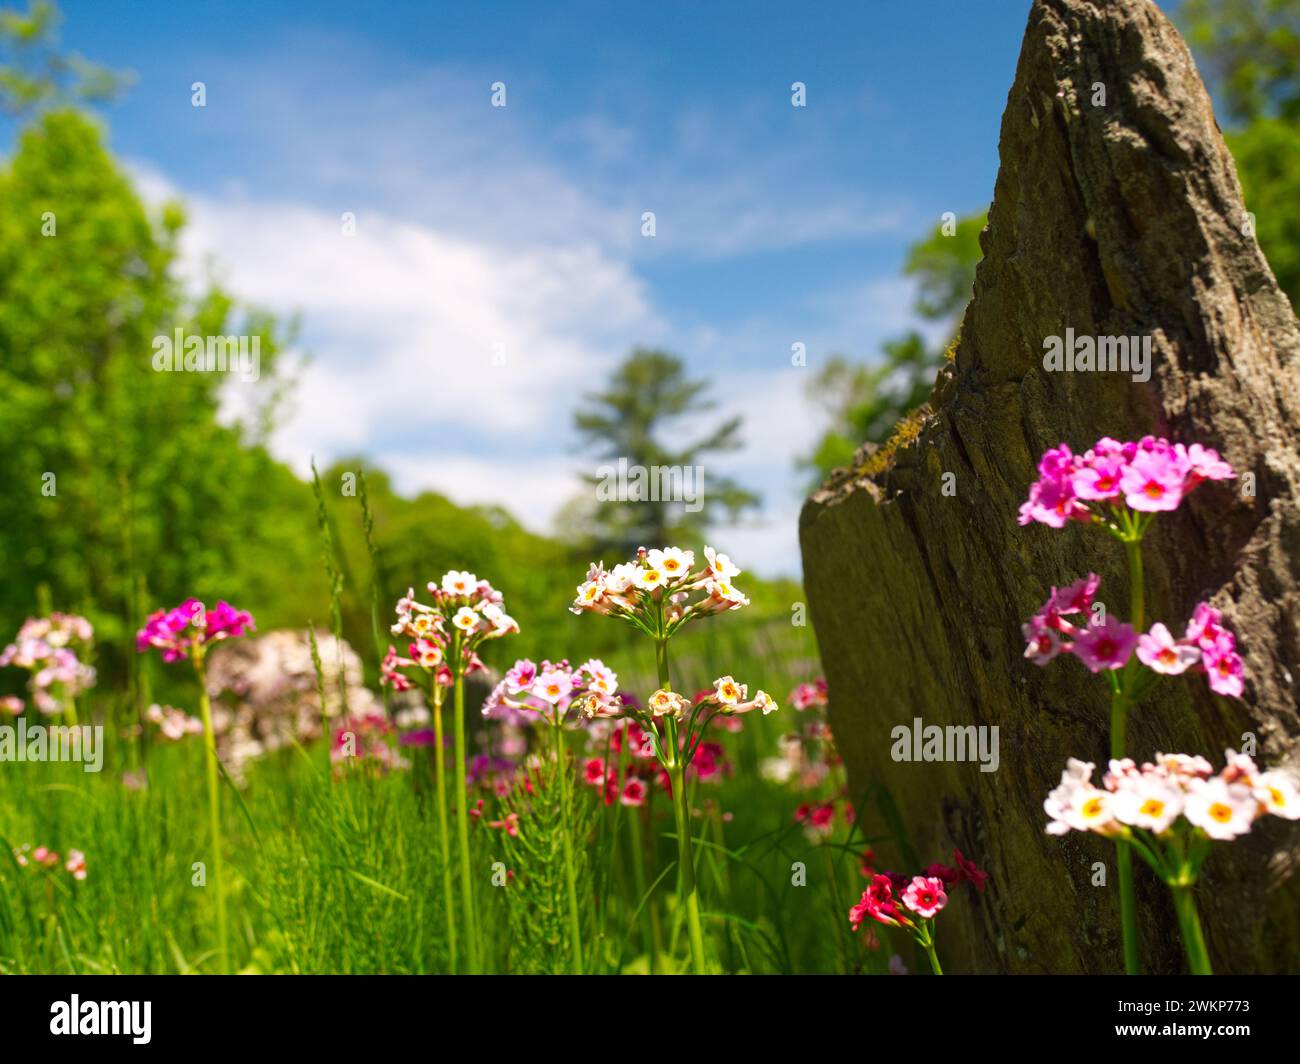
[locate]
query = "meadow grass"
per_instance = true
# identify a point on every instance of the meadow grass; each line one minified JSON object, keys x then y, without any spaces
{"x":338,"y":870}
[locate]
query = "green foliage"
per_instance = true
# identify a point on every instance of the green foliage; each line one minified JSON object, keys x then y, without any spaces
{"x":1250,"y":52}
{"x":1268,"y":163}
{"x":536,"y":905}
{"x":865,"y":401}
{"x":649,"y":401}
{"x":1251,"y":49}
{"x":34,"y":75}
{"x":109,"y":464}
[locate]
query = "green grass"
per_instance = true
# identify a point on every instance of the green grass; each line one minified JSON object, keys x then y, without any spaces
{"x":339,"y":871}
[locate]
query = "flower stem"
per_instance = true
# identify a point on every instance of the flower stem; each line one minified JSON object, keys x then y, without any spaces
{"x":214,"y":814}
{"x":566,"y":838}
{"x":462,"y":825}
{"x":1198,"y":958}
{"x":1119,"y":705}
{"x":686,"y":866}
{"x":934,"y":958}
{"x":444,"y":836}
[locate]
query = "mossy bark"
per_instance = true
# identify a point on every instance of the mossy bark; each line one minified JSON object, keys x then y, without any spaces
{"x":1119,"y":216}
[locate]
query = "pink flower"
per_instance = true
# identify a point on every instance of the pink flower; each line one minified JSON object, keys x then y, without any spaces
{"x":1203,"y":629}
{"x":1154,"y":481}
{"x":634,"y":793}
{"x":925,"y":896}
{"x":1077,"y":598}
{"x":1105,"y":646}
{"x":1158,"y":651}
{"x":1043,"y":643}
{"x":1100,"y":478}
{"x":1223,"y":666}
{"x":594,"y":771}
{"x":1204,"y":463}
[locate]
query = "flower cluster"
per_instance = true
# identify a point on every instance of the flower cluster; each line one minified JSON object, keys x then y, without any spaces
{"x":661,"y":590}
{"x":45,"y":859}
{"x":1154,"y":796}
{"x":912,"y":903}
{"x":727,"y":697}
{"x":445,"y":635}
{"x":1148,"y":476}
{"x":547,"y":692}
{"x":641,"y":770}
{"x":173,"y":724}
{"x":47,"y":648}
{"x":364,"y":738}
{"x":1206,"y":646}
{"x":922,"y":896}
{"x":818,"y":818}
{"x":179,"y":631}
{"x":810,"y":695}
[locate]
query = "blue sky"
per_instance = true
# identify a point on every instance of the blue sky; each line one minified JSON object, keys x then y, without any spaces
{"x":515,"y":231}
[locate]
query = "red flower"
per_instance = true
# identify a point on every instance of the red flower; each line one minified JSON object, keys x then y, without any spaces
{"x":969,"y":872}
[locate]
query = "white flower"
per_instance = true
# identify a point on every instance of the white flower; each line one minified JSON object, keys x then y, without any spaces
{"x":589,"y":593}
{"x":726,"y":593}
{"x":456,"y":582}
{"x":1221,"y":810}
{"x":673,"y":561}
{"x":621,"y":578}
{"x":765,"y":702}
{"x":1276,"y":792}
{"x":720,"y":566}
{"x":665,"y":703}
{"x":729,"y":693}
{"x":466,"y":619}
{"x":1149,"y":802}
{"x":650,"y":577}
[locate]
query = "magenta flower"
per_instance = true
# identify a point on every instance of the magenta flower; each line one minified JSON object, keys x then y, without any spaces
{"x":1154,"y":481}
{"x":177,"y":631}
{"x":1146,"y":476}
{"x":1107,"y":645}
{"x":1223,"y":667}
{"x":1077,"y":598}
{"x":925,"y":896}
{"x":1158,"y":652}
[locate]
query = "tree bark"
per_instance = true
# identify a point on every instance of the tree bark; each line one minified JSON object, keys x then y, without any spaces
{"x":1114,"y":217}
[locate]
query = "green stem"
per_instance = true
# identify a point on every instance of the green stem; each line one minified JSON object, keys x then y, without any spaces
{"x":1119,"y":706}
{"x":462,"y":825}
{"x":934,"y":957}
{"x":1198,"y":957}
{"x":566,"y":838}
{"x":637,"y":846}
{"x":214,"y":814}
{"x":444,"y":835}
{"x":686,"y":869}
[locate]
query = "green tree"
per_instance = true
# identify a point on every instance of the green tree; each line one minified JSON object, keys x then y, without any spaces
{"x":863,"y":402}
{"x":1249,"y":51}
{"x":124,"y":487}
{"x":644,"y":417}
